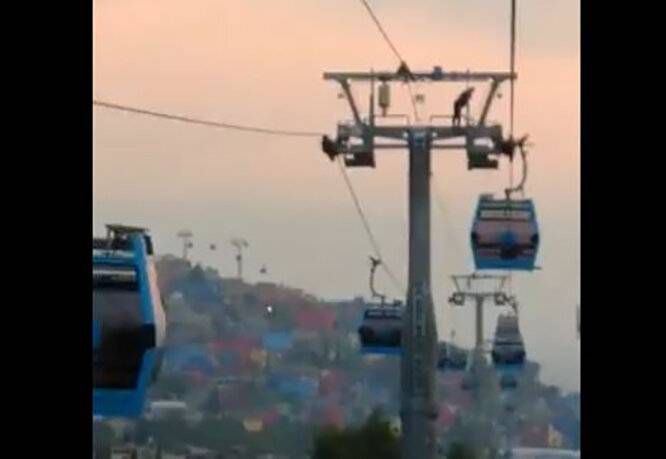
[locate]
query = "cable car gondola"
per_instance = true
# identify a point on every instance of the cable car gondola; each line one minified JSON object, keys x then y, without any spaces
{"x":508,"y":381}
{"x":508,"y":351}
{"x":457,"y":359}
{"x":505,"y":234}
{"x":451,"y":357}
{"x":381,"y":330}
{"x":508,"y":346}
{"x":128,"y":321}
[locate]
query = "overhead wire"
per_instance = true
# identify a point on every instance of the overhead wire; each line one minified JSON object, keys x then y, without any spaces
{"x":512,"y":64}
{"x":209,"y":123}
{"x":445,"y":215}
{"x":270,"y":131}
{"x":453,"y":240}
{"x":295,"y":133}
{"x":381,"y":30}
{"x":417,"y":118}
{"x":512,"y":84}
{"x":397,"y":53}
{"x":368,"y":230}
{"x":359,"y":209}
{"x":391,"y":45}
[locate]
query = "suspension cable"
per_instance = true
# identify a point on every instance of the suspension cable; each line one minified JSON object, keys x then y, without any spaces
{"x":388,"y":41}
{"x":368,"y":230}
{"x":216,"y":124}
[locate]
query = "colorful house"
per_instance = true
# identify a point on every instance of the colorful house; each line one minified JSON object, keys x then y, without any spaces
{"x":315,"y":320}
{"x":189,"y":359}
{"x":294,"y":385}
{"x":277,"y":341}
{"x":238,"y":354}
{"x":331,"y":382}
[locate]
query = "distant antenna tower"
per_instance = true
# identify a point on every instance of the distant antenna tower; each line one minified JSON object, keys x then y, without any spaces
{"x":186,"y":236}
{"x":240,"y":244}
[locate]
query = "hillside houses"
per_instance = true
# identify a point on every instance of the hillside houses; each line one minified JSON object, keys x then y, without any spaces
{"x":249,"y":372}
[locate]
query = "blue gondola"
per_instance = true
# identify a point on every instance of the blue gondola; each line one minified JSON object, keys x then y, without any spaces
{"x":505,"y":234}
{"x":128,"y":321}
{"x":508,"y":378}
{"x":381,"y":330}
{"x":508,"y":351}
{"x":451,"y":358}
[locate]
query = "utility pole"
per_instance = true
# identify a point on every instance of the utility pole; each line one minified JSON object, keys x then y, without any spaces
{"x":240,"y":244}
{"x":186,"y":236}
{"x":355,"y":143}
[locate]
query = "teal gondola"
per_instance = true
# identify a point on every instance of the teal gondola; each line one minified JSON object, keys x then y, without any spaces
{"x":505,"y":234}
{"x":128,"y":321}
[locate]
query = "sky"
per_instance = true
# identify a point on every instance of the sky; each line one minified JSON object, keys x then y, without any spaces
{"x":261,"y":63}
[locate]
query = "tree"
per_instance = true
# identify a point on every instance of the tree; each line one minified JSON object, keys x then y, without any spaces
{"x":460,"y":451}
{"x":373,"y":440}
{"x":282,"y":438}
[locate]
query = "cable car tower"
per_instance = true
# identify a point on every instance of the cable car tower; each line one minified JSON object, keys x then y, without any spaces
{"x":355,"y":144}
{"x":467,"y":287}
{"x":482,"y":289}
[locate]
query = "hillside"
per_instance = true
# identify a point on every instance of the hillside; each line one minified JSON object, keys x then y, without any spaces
{"x":263,"y":366}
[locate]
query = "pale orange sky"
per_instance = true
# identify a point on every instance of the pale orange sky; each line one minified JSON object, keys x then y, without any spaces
{"x":260,"y":62}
